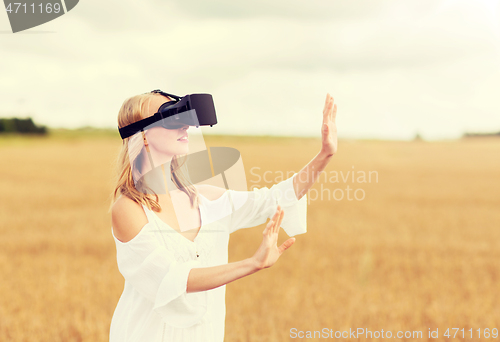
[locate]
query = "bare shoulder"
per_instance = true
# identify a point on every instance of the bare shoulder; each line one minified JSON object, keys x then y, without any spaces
{"x":127,"y":218}
{"x":211,"y":192}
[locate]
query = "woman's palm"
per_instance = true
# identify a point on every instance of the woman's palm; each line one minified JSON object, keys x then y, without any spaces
{"x":269,"y":252}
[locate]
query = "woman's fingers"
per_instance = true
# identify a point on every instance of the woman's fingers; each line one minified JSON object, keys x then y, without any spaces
{"x":277,"y":212}
{"x":277,"y":221}
{"x":325,"y":109}
{"x":280,"y":219}
{"x":285,"y":245}
{"x":268,"y":226}
{"x":276,"y":218}
{"x":329,"y":107}
{"x":273,"y":226}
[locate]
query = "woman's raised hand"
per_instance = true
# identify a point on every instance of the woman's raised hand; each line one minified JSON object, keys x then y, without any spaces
{"x":329,"y":128}
{"x":269,"y":252}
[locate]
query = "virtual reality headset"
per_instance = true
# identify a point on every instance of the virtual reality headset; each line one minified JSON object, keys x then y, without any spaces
{"x":193,"y":110}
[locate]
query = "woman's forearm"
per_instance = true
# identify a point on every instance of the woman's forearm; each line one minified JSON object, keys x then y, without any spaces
{"x":203,"y":279}
{"x":306,"y":177}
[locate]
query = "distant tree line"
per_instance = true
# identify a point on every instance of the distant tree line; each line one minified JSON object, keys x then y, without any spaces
{"x":23,"y":126}
{"x":470,"y":135}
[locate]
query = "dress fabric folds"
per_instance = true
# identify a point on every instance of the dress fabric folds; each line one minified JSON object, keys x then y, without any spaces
{"x":154,"y":305}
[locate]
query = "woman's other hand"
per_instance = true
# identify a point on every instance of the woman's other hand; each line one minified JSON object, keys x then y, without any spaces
{"x":269,"y":252}
{"x":329,"y":128}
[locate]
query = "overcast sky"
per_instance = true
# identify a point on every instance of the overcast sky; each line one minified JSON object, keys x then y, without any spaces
{"x":394,"y":67}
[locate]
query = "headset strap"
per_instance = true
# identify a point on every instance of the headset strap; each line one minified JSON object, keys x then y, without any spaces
{"x":158,"y":91}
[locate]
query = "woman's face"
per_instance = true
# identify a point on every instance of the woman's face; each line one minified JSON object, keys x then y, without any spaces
{"x":165,"y":142}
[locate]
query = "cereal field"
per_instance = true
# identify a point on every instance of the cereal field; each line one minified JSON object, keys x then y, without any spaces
{"x":417,"y":249}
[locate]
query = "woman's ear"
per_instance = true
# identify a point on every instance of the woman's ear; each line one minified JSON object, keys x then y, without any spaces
{"x":146,"y":144}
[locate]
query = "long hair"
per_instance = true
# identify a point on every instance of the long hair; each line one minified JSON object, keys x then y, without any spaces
{"x":133,"y":109}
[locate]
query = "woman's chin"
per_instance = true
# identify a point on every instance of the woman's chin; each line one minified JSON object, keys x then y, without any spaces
{"x":182,"y":151}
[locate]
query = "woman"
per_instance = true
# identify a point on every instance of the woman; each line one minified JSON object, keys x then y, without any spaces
{"x":172,"y":236}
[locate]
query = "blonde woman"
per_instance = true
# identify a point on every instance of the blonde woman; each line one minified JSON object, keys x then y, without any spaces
{"x":172,"y":246}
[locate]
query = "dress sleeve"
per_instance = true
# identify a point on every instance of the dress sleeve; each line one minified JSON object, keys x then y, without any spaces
{"x":152,"y":270}
{"x":252,"y":208}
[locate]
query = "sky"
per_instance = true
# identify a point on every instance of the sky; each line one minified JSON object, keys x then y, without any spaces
{"x":394,"y":67}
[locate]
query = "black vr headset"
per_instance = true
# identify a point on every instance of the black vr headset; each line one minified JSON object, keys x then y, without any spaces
{"x":197,"y":110}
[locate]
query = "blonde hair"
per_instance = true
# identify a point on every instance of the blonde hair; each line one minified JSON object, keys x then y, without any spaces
{"x":132,"y":110}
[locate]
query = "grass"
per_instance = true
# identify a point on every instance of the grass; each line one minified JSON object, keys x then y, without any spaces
{"x":420,"y":250}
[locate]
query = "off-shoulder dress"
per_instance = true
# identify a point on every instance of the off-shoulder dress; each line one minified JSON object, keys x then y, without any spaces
{"x":154,"y":305}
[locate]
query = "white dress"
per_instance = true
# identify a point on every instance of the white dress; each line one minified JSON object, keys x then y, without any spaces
{"x":154,"y":305}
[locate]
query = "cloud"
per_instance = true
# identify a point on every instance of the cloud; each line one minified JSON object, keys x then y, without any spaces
{"x":272,"y":64}
{"x":313,"y":10}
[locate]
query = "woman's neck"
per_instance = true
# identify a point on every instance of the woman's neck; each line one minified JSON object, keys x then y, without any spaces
{"x":159,"y":179}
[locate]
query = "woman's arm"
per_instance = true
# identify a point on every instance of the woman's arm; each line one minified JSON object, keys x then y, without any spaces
{"x":308,"y":175}
{"x":127,"y":217}
{"x":203,"y":279}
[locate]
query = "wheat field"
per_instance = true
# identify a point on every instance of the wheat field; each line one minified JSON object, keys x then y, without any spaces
{"x":419,"y":251}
